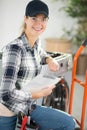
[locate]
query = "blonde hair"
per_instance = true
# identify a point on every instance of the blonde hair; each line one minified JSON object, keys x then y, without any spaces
{"x":22,"y":28}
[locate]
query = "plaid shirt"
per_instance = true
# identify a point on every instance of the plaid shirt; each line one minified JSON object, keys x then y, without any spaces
{"x":20,"y":63}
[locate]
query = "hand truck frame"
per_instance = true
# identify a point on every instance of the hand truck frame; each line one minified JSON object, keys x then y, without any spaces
{"x":83,"y":84}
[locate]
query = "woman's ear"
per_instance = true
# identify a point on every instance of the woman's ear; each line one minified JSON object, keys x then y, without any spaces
{"x":25,"y":19}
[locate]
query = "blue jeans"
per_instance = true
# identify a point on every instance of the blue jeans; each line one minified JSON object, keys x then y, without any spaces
{"x":8,"y":123}
{"x":47,"y":118}
{"x":52,"y":119}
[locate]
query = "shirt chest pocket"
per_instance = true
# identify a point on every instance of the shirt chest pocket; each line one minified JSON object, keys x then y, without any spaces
{"x":29,"y":66}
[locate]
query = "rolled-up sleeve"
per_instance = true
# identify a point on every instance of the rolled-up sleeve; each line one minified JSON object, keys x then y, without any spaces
{"x":43,"y":55}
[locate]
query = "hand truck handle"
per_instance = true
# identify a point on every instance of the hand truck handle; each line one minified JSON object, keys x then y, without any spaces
{"x":84,"y":42}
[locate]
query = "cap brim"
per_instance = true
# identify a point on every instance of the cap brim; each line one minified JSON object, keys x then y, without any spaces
{"x":38,"y":12}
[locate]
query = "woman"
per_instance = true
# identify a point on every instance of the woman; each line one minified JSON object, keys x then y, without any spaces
{"x":21,"y":61}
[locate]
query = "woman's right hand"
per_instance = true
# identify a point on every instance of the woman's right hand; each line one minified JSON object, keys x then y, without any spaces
{"x":43,"y":92}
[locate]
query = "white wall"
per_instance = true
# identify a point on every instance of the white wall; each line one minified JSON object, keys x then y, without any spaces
{"x":11,"y":17}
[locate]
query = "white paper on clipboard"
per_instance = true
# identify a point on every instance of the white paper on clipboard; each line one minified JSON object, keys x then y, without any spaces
{"x":41,"y":81}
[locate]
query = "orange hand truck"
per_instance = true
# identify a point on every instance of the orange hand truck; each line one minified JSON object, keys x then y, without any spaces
{"x":83,"y":84}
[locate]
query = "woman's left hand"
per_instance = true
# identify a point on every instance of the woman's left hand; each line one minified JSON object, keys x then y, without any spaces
{"x":52,"y":64}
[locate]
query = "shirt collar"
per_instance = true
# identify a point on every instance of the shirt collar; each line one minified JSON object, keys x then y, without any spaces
{"x":26,"y":43}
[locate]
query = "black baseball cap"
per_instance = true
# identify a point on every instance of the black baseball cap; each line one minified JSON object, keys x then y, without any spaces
{"x":35,"y":7}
